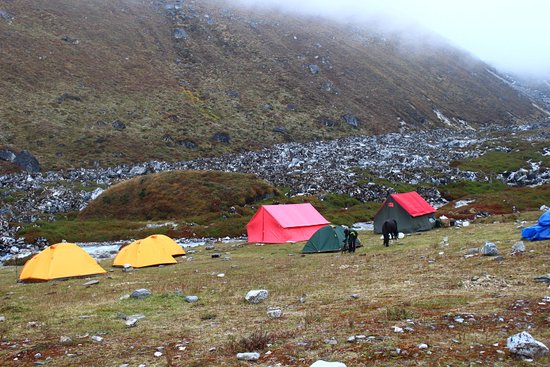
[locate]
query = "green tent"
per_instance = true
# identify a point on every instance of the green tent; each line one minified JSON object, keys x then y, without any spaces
{"x":327,"y":239}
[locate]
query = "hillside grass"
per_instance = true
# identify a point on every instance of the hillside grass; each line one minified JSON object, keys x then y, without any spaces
{"x":421,"y":282}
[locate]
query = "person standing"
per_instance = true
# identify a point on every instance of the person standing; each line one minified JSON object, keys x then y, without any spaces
{"x":350,"y":239}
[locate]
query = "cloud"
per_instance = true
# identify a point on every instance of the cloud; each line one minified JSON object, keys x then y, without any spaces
{"x":509,"y":34}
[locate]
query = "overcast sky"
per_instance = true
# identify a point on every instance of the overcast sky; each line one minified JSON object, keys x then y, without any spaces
{"x":512,"y":35}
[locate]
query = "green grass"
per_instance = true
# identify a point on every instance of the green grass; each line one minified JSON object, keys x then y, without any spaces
{"x":418,"y":278}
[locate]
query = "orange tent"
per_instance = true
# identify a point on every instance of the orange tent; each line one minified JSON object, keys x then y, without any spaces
{"x":62,"y":260}
{"x":142,"y":253}
{"x":169,"y":244}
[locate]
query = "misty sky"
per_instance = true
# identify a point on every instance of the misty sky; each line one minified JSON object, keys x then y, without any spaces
{"x":512,"y":35}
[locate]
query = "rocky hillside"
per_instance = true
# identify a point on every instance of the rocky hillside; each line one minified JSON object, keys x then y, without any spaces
{"x":97,"y":82}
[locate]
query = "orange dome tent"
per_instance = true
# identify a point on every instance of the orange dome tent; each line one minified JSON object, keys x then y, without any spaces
{"x":142,"y":253}
{"x":169,"y":244}
{"x":62,"y":260}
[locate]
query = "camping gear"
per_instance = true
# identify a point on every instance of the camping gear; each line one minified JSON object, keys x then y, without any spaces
{"x":62,"y":260}
{"x":410,"y":210}
{"x":540,"y":231}
{"x":169,"y":244}
{"x":284,"y":223}
{"x":327,"y":239}
{"x":142,"y":253}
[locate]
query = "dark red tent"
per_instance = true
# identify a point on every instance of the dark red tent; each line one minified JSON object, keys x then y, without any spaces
{"x":284,"y":223}
{"x":409,"y":209}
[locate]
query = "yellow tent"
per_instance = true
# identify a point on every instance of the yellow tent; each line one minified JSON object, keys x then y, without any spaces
{"x":62,"y":260}
{"x":169,"y":244}
{"x":143,"y":253}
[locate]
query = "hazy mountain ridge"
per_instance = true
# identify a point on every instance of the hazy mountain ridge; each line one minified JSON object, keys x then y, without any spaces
{"x":101,"y":82}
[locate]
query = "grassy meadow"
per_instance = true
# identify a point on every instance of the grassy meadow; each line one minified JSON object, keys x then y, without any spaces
{"x":421,"y":282}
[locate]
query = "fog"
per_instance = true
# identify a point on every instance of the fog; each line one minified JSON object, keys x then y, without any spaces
{"x":511,"y":35}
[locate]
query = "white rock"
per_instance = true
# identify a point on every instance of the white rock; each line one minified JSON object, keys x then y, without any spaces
{"x":524,"y":345}
{"x":422,"y":346}
{"x":256,"y":295}
{"x":321,"y":363}
{"x":2,"y":318}
{"x":131,"y":322}
{"x":275,"y":312}
{"x":96,"y":338}
{"x":158,"y":354}
{"x":248,"y":356}
{"x":397,"y":329}
{"x":518,"y":247}
{"x":65,"y":339}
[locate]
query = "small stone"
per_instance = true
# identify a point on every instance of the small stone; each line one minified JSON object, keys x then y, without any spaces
{"x":158,"y":354}
{"x":191,"y":299}
{"x":331,"y":341}
{"x":2,"y":318}
{"x":212,"y":349}
{"x":274,"y":313}
{"x":65,"y":339}
{"x":248,"y":356}
{"x":127,"y":268}
{"x":256,"y":295}
{"x":140,"y":293}
{"x":220,"y":275}
{"x":131,"y":322}
{"x":489,"y":249}
{"x":216,"y":255}
{"x":355,"y":296}
{"x":422,"y":346}
{"x":96,"y":338}
{"x":518,"y":247}
{"x":91,"y":282}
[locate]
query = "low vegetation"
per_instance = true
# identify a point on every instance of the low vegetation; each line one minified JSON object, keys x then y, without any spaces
{"x":462,"y":307}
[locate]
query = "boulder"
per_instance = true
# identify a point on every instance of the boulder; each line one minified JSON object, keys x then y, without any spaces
{"x":7,"y":155}
{"x":68,"y":97}
{"x":118,"y":125}
{"x":256,"y":295}
{"x":525,"y":346}
{"x":27,"y":161}
{"x":232,"y":93}
{"x":489,"y":249}
{"x":6,"y":16}
{"x":221,"y":137}
{"x":275,"y":312}
{"x":518,"y":247}
{"x":180,"y":34}
{"x":191,"y":299}
{"x":314,"y":69}
{"x":71,"y":40}
{"x":140,"y":293}
{"x":248,"y":356}
{"x":351,"y":119}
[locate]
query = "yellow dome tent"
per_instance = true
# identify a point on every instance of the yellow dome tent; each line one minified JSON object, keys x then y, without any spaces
{"x":169,"y":244}
{"x":142,"y":253}
{"x":62,"y":260}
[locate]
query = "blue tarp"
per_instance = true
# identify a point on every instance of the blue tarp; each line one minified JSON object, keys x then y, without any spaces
{"x":540,"y":231}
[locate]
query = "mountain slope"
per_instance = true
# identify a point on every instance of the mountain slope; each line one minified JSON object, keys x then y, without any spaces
{"x":106,"y":82}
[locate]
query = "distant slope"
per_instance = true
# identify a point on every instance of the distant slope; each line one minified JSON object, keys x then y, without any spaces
{"x":108,"y":82}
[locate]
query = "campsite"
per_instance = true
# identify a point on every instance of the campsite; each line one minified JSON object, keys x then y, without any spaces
{"x":428,"y":298}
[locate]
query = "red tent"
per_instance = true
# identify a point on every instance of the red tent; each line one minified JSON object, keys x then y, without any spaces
{"x":284,"y":223}
{"x":409,"y":209}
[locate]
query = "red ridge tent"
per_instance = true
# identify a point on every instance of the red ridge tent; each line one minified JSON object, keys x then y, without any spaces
{"x":409,"y":209}
{"x":284,"y":223}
